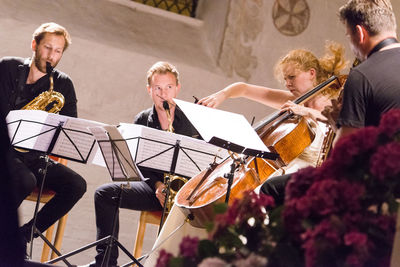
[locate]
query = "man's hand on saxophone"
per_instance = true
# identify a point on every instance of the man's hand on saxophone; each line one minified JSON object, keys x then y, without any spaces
{"x":160,"y":192}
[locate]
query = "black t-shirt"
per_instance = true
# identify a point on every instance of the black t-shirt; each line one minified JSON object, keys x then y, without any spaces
{"x":15,"y":93}
{"x":372,"y":88}
{"x":181,"y":125}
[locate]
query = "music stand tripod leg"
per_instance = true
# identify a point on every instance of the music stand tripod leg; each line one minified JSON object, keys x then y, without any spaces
{"x":111,"y":239}
{"x":34,"y":229}
{"x":230,"y":176}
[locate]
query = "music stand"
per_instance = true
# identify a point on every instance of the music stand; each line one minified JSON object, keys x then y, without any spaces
{"x":122,"y":168}
{"x":227,"y":130}
{"x":50,"y":134}
{"x":169,"y":153}
{"x":165,"y":152}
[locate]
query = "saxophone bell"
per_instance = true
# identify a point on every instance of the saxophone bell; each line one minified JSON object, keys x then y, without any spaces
{"x":50,"y":101}
{"x":174,"y":183}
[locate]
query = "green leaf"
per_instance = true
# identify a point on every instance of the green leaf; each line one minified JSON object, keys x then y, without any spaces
{"x":207,"y":248}
{"x":209,"y":226}
{"x":176,"y":262}
{"x":220,"y":208}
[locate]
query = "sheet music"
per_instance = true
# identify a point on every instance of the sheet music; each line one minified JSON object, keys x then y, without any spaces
{"x":31,"y":122}
{"x":199,"y":151}
{"x":154,"y":149}
{"x":48,"y":131}
{"x":78,"y":135}
{"x":228,"y":126}
{"x":40,"y":127}
{"x":153,"y":142}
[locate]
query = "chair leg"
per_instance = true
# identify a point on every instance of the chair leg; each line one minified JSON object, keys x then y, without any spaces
{"x":59,"y":235}
{"x":137,"y":251}
{"x":46,"y":248}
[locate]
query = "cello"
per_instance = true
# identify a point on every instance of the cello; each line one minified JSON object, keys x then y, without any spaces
{"x":284,"y":133}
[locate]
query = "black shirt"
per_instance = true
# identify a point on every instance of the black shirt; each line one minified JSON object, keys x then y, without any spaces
{"x":15,"y":93}
{"x":181,"y":124}
{"x":372,"y":88}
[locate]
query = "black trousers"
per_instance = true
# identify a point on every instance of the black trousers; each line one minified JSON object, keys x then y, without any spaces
{"x":139,"y":196}
{"x":275,"y":187}
{"x":67,"y":184}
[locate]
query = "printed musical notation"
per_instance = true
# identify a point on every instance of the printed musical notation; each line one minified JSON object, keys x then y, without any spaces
{"x":38,"y":130}
{"x":156,"y":150}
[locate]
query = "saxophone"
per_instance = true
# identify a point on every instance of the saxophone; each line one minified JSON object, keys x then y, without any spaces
{"x":50,"y":101}
{"x":173,"y":182}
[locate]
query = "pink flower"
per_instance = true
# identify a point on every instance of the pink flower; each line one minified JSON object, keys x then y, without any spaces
{"x":355,"y":239}
{"x":387,"y":223}
{"x":324,"y":230}
{"x":299,"y":183}
{"x":390,"y":122}
{"x":163,"y":258}
{"x":332,"y":196}
{"x":250,"y":206}
{"x":319,"y":241}
{"x":188,"y":246}
{"x":385,"y":162}
{"x":354,"y":260}
{"x":353,"y":145}
{"x":294,"y":212}
{"x":311,"y":253}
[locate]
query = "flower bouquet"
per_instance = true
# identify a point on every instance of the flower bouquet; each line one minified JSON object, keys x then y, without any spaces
{"x":342,"y":213}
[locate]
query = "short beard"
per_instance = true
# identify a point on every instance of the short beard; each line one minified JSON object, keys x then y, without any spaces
{"x":36,"y":61}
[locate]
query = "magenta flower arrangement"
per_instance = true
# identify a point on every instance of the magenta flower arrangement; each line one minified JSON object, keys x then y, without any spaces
{"x":342,"y":213}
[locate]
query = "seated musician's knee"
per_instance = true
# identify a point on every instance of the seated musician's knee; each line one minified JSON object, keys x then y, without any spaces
{"x":275,"y":187}
{"x":74,"y":185}
{"x":79,"y":185}
{"x":26,"y":185}
{"x":104,"y":194}
{"x":23,"y":182}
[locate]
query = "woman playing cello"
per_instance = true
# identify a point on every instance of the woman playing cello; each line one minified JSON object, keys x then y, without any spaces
{"x":301,"y":70}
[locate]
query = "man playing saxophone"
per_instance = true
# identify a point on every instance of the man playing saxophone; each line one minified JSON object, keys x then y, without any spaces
{"x":162,"y":85}
{"x":21,"y":80}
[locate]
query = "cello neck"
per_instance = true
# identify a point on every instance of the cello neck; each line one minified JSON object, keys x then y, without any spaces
{"x":299,"y":100}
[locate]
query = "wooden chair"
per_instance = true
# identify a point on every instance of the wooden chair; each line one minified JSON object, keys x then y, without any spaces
{"x":57,"y":240}
{"x":152,"y":217}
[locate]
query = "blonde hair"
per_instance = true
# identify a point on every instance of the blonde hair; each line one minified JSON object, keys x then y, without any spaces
{"x":330,"y":64}
{"x":52,"y":28}
{"x":162,"y":67}
{"x":375,"y":15}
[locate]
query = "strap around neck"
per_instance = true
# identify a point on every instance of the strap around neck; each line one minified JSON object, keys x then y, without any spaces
{"x":382,"y":44}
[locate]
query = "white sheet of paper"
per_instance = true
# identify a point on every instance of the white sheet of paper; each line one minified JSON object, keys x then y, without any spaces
{"x":84,"y":142}
{"x":153,"y":142}
{"x":226,"y":125}
{"x":30,"y":126}
{"x":41,"y":126}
